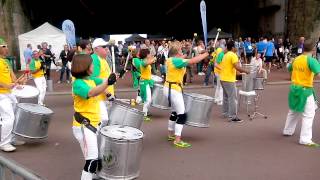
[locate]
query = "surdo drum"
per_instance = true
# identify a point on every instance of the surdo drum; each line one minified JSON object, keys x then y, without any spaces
{"x":120,"y":150}
{"x":158,"y":99}
{"x":120,"y":114}
{"x":27,"y":94}
{"x":198,"y":109}
{"x":157,"y":79}
{"x":32,"y":121}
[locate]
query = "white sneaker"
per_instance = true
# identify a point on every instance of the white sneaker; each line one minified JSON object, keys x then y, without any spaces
{"x":7,"y":148}
{"x":18,"y":142}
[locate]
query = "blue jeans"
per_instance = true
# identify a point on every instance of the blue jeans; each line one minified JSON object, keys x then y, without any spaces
{"x":208,"y":74}
{"x":63,"y":69}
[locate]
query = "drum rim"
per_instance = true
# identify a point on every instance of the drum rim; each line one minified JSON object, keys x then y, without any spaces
{"x":109,"y":128}
{"x":27,"y":110}
{"x":34,"y":88}
{"x":131,"y":109}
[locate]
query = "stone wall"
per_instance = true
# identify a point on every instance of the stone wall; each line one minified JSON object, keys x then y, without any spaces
{"x":12,"y":23}
{"x":303,"y":19}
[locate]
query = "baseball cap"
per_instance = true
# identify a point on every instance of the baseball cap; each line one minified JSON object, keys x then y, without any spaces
{"x":99,"y":42}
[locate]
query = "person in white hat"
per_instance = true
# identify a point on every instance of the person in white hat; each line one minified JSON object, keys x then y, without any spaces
{"x":7,"y":100}
{"x":101,"y":69}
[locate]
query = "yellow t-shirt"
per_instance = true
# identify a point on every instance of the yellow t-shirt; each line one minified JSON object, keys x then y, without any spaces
{"x":34,"y":66}
{"x":145,"y":71}
{"x":303,"y":70}
{"x":176,"y":68}
{"x":228,"y":72}
{"x":87,"y":106}
{"x":5,"y":75}
{"x":105,"y":72}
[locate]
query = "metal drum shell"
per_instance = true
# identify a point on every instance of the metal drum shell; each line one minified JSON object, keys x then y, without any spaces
{"x":198,"y":109}
{"x":29,"y":124}
{"x":157,"y":79}
{"x":259,"y":83}
{"x":159,"y":100}
{"x":120,"y":114}
{"x":120,"y":158}
{"x":23,"y":95}
{"x":247,"y":82}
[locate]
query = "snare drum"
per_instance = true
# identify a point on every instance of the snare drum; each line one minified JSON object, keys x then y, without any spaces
{"x":120,"y":114}
{"x":120,"y":150}
{"x":159,"y":100}
{"x":198,"y":109}
{"x":27,"y":94}
{"x":157,"y":79}
{"x":32,"y":121}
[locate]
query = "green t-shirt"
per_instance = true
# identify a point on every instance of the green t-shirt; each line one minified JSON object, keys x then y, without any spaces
{"x":179,"y":63}
{"x":220,"y":57}
{"x":82,"y":89}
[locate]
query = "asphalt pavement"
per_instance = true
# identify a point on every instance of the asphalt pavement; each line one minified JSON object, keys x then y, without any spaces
{"x":252,"y":150}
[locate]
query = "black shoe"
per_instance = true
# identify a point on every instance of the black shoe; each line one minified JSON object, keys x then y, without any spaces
{"x":236,"y":120}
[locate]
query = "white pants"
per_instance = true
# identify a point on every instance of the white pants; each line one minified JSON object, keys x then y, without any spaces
{"x":88,"y":142}
{"x":104,"y":112}
{"x":307,"y":121}
{"x":147,"y":104}
{"x":177,"y":102}
{"x":41,"y":85}
{"x":218,"y":95}
{"x":7,"y":103}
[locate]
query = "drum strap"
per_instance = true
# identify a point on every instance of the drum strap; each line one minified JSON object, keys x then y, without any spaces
{"x":169,"y":94}
{"x":85,"y":121}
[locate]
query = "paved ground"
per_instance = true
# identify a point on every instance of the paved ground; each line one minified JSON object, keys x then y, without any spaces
{"x":253,"y":150}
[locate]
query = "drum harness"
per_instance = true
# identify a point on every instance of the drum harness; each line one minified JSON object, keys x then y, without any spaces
{"x":169,"y":93}
{"x":85,"y":121}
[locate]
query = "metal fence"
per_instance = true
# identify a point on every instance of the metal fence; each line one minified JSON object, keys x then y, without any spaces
{"x":10,"y":170}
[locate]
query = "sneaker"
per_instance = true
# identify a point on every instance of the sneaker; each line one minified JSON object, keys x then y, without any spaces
{"x":219,"y":103}
{"x":147,"y":118}
{"x":237,"y":120}
{"x":181,"y":144}
{"x":171,"y":138}
{"x":18,"y":142}
{"x":313,"y":144}
{"x":68,"y":81}
{"x":59,"y":82}
{"x":7,"y":148}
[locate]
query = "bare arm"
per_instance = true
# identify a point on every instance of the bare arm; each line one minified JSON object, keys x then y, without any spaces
{"x":198,"y":58}
{"x":240,"y":69}
{"x":98,"y":89}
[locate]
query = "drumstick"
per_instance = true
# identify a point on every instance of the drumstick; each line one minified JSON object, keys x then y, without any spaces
{"x":113,"y":60}
{"x":215,"y":40}
{"x":126,"y":64}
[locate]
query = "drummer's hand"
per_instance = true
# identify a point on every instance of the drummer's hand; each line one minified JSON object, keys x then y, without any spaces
{"x":19,"y":86}
{"x":110,"y":97}
{"x":11,"y":85}
{"x":112,"y":79}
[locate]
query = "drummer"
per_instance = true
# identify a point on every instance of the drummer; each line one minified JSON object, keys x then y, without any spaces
{"x":102,"y":70}
{"x":7,"y":100}
{"x":37,"y":71}
{"x":218,"y":96}
{"x":176,"y":67}
{"x":136,"y":73}
{"x":86,"y":91}
{"x":146,"y":82}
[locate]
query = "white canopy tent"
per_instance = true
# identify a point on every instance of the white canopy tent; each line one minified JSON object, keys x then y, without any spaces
{"x":44,"y":33}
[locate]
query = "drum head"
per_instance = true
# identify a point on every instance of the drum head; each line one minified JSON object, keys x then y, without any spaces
{"x":122,"y":132}
{"x":35,"y":108}
{"x":156,"y":79}
{"x":199,"y":96}
{"x":26,"y":92}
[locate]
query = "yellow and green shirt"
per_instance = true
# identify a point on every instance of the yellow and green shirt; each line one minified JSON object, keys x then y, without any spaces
{"x":218,"y":60}
{"x":102,"y":70}
{"x":228,"y":72}
{"x":35,"y":65}
{"x":5,"y":75}
{"x":302,"y":71}
{"x":145,"y":70}
{"x":87,"y":106}
{"x":176,"y":68}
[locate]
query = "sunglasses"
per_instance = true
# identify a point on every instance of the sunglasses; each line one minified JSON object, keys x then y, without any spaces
{"x":3,"y":46}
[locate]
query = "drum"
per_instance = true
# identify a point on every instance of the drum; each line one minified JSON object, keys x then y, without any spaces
{"x":259,"y":83}
{"x":157,"y":79}
{"x":120,"y":149}
{"x":121,"y":114}
{"x":158,"y":99}
{"x":198,"y":109}
{"x":32,"y":121}
{"x":247,"y":82}
{"x":27,"y":94}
